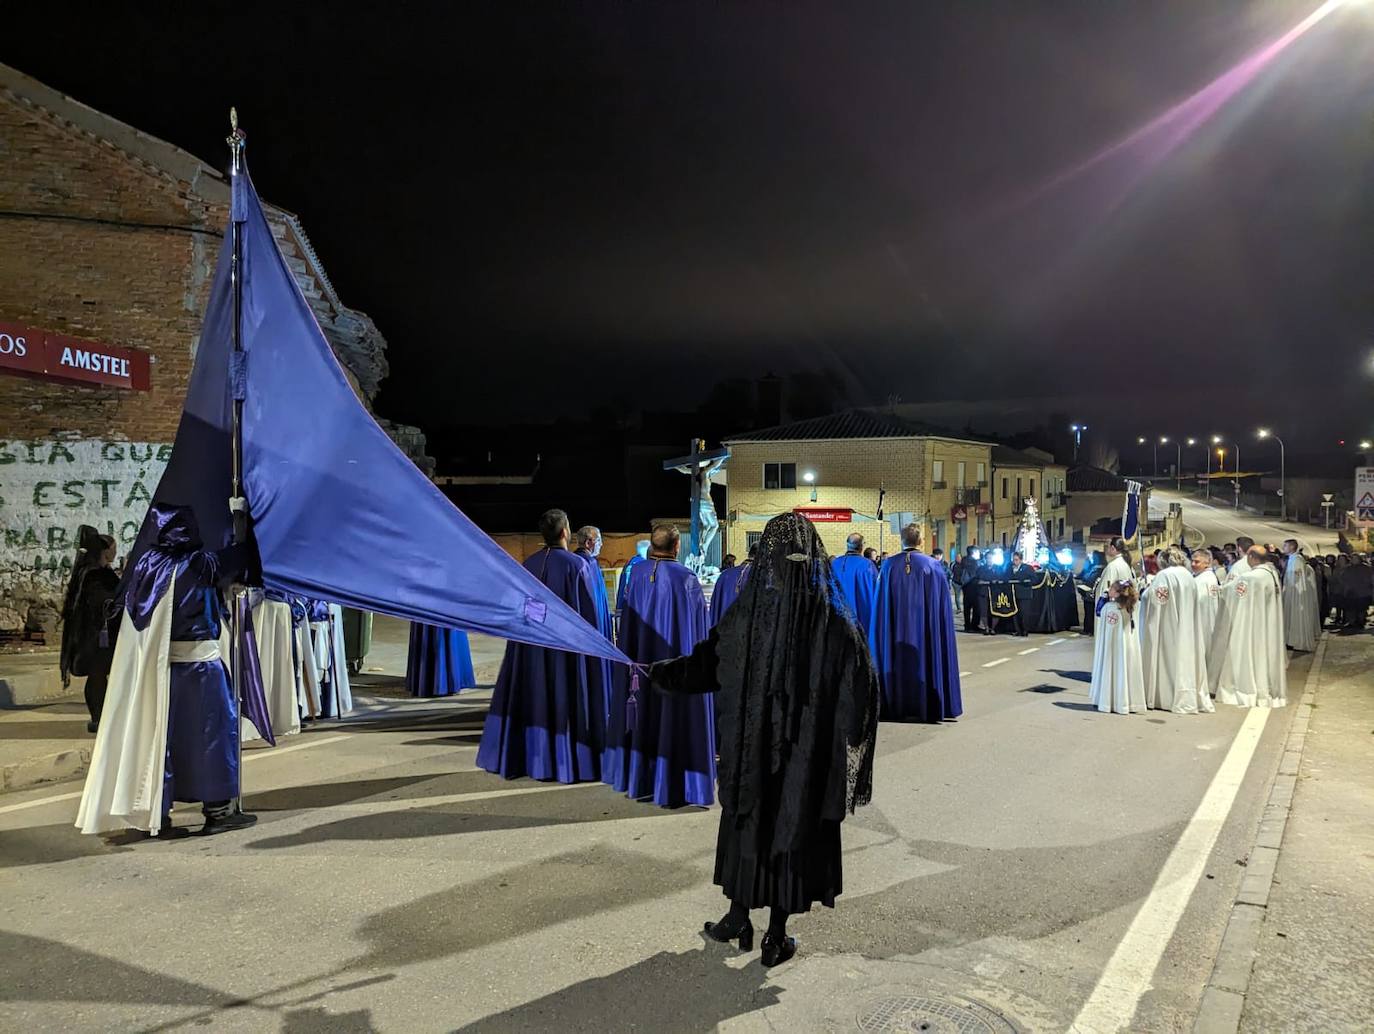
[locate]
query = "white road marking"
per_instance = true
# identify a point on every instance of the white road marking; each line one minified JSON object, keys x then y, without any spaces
{"x":965,"y":674}
{"x":1054,"y":642}
{"x":993,"y":664}
{"x":276,"y":752}
{"x":1131,"y":968}
{"x":1022,"y":653}
{"x":4,"y":809}
{"x":253,"y":755}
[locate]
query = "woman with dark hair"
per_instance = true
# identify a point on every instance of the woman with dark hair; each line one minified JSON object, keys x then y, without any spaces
{"x":797,"y":706}
{"x":88,"y":631}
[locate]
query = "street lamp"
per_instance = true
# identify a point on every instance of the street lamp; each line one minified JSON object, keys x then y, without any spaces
{"x":1283,"y":497}
{"x":1077,"y":430}
{"x":1216,"y":440}
{"x":1155,"y":446}
{"x":810,"y":478}
{"x":1178,"y":463}
{"x":1236,"y":446}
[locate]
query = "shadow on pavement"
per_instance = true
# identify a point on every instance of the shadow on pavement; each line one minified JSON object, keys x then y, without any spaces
{"x":1045,"y":687}
{"x":325,"y":795}
{"x":691,"y":992}
{"x":44,"y":845}
{"x":40,"y":970}
{"x":523,"y":900}
{"x":1076,"y":676}
{"x":587,"y":802}
{"x":1068,"y":705}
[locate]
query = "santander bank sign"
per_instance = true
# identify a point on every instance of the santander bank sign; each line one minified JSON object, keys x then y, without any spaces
{"x":30,"y":352}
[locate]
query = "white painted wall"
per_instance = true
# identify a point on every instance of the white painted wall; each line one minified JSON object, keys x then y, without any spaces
{"x":49,"y":488}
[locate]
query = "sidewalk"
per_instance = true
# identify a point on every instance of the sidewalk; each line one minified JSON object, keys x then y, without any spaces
{"x":1314,"y":965}
{"x":49,"y":743}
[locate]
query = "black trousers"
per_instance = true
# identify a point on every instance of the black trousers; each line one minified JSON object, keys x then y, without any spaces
{"x":96,"y":683}
{"x":973,"y":608}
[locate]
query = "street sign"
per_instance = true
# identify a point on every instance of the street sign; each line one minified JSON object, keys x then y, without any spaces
{"x":1364,"y":496}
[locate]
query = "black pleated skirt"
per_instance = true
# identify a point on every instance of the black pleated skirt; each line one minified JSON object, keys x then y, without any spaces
{"x":790,"y":881}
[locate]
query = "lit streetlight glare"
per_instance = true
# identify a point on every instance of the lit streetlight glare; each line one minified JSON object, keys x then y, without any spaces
{"x":1367,"y":444}
{"x":809,"y":477}
{"x":1263,"y":432}
{"x":1192,"y":441}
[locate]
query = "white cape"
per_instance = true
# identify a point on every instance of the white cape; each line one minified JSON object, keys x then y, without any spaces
{"x":1173,"y":655}
{"x":124,"y":783}
{"x":1118,"y":684}
{"x":1301,"y":621}
{"x":343,"y":691}
{"x":273,"y":632}
{"x":1247,"y":661}
{"x":1208,"y":603}
{"x":1117,"y":570}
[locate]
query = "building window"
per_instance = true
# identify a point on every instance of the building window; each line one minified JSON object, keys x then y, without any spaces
{"x":1004,"y":540}
{"x":1004,"y":488}
{"x":779,"y":475}
{"x":751,"y":539}
{"x":961,"y":474}
{"x":982,"y":474}
{"x":1032,"y":491}
{"x":1018,"y":491}
{"x":939,"y":472}
{"x":1061,"y":529}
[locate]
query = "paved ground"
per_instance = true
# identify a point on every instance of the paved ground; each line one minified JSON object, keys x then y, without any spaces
{"x":1045,"y":861}
{"x":1315,"y":965}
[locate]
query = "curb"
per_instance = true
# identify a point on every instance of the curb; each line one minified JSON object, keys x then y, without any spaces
{"x":47,"y":768}
{"x":1223,"y":999}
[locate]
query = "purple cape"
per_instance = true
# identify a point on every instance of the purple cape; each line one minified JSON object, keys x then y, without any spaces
{"x":858,"y":580}
{"x":912,"y":640}
{"x":726,"y":590}
{"x":659,"y":746}
{"x":548,"y":710}
{"x":439,"y":663}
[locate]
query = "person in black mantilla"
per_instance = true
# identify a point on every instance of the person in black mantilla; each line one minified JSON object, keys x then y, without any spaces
{"x":797,"y":704}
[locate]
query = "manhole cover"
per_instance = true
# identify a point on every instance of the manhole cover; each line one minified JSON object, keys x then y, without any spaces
{"x":911,"y":1013}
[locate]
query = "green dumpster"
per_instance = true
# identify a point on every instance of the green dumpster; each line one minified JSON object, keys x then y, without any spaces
{"x":357,"y":636}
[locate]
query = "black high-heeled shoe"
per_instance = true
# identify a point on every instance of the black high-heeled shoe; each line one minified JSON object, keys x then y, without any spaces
{"x":777,"y":951}
{"x":745,"y":935}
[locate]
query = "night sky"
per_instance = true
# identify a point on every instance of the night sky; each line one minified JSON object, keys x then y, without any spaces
{"x":545,"y":208}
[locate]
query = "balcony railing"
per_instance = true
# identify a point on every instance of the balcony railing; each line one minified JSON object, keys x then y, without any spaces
{"x":968,"y":496}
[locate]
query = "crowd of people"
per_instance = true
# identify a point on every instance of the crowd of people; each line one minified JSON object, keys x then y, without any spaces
{"x":1215,"y":623}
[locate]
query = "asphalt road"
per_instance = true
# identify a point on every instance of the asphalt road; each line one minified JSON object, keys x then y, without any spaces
{"x":1012,"y":859}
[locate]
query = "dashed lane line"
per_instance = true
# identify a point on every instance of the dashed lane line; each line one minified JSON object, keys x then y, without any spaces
{"x":1022,"y":653}
{"x":1000,"y":660}
{"x":1054,"y":642}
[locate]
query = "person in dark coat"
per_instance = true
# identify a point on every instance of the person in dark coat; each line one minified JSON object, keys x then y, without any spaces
{"x":797,"y":703}
{"x":88,"y":627}
{"x":1023,"y":578}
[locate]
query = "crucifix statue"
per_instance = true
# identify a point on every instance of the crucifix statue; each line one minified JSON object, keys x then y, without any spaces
{"x":700,"y":465}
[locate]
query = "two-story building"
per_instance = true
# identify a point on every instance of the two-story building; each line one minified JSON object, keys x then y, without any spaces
{"x":834,"y":469}
{"x":1018,"y":475}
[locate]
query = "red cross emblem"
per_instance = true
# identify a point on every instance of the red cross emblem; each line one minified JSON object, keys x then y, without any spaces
{"x":1162,"y":594}
{"x":1113,"y":617}
{"x":1240,"y":589}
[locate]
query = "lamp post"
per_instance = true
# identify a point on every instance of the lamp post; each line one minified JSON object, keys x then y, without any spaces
{"x":1077,"y":430}
{"x":1178,"y":463}
{"x":1216,"y":440}
{"x":1283,"y":495}
{"x":810,"y":478}
{"x":1155,"y":446}
{"x":1236,"y":446}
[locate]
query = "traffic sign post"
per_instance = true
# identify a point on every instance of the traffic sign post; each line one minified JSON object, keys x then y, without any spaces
{"x":1364,"y":496}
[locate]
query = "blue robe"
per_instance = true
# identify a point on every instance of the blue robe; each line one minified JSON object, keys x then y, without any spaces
{"x":548,"y":710}
{"x":726,"y":590}
{"x":439,"y":663}
{"x":661,"y":746}
{"x":858,"y":580}
{"x":202,"y":760}
{"x":912,"y":640}
{"x":605,"y":623}
{"x":625,"y":582}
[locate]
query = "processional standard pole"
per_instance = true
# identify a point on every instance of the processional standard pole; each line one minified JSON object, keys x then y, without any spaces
{"x":238,"y":507}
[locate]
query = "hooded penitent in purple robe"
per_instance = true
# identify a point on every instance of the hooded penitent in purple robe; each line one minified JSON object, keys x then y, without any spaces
{"x":912,"y":639}
{"x":858,"y":581}
{"x":439,"y":663}
{"x":548,"y":711}
{"x":658,"y":746}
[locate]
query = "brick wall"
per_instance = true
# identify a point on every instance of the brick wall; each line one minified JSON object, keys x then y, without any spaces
{"x":848,"y":475}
